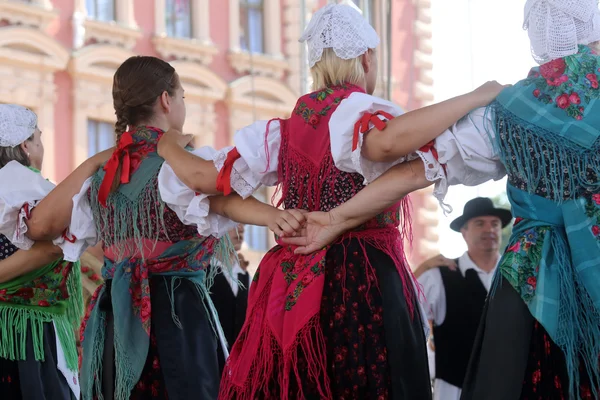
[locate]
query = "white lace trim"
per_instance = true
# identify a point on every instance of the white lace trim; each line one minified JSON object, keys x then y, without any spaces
{"x":240,"y":177}
{"x":18,"y":239}
{"x":434,"y":172}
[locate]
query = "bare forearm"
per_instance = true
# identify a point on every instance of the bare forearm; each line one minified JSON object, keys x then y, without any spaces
{"x":196,"y":173}
{"x":25,"y":261}
{"x":382,"y":193}
{"x":52,"y":216}
{"x":412,"y":130}
{"x":249,"y":211}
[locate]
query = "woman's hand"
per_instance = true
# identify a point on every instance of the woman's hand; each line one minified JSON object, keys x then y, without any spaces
{"x":172,"y":139}
{"x":487,"y":92}
{"x":320,"y":230}
{"x":286,"y":222}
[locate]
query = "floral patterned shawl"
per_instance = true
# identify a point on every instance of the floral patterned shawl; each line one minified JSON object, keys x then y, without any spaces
{"x":547,"y":130}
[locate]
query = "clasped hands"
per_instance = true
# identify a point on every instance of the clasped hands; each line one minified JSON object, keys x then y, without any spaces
{"x":309,"y":231}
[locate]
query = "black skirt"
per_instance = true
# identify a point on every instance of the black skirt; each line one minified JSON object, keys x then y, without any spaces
{"x":375,"y":348}
{"x":182,"y":362}
{"x":35,"y":380}
{"x":514,"y":357}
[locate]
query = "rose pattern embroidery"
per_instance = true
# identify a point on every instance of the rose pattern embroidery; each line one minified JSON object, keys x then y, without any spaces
{"x":45,"y":291}
{"x":293,"y":271}
{"x":570,"y":83}
{"x":312,"y":116}
{"x":592,"y":210}
{"x":521,"y":261}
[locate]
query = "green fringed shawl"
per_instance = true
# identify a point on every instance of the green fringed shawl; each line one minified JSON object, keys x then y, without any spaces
{"x":40,"y":297}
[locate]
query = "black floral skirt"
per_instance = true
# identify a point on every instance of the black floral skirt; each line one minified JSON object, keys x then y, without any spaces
{"x":35,"y":380}
{"x":375,"y":349}
{"x":514,"y":357}
{"x":182,"y":362}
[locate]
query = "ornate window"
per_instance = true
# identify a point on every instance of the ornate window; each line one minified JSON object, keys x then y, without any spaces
{"x":251,"y":26}
{"x":101,"y":10}
{"x":101,"y":136}
{"x":255,"y":32}
{"x":183,"y":30}
{"x":105,"y":21}
{"x":178,"y":18}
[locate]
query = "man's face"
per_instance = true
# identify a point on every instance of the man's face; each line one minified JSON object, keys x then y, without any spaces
{"x":237,"y":237}
{"x":483,"y":234}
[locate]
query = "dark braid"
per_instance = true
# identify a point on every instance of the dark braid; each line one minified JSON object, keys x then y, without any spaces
{"x":137,"y":86}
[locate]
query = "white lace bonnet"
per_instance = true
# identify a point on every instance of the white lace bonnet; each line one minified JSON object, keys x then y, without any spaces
{"x":342,"y":28}
{"x":556,"y":27}
{"x":17,"y":124}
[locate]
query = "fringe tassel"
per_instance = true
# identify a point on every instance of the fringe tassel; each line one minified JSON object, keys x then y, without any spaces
{"x":579,"y":322}
{"x":75,"y":307}
{"x":13,"y":334}
{"x":134,"y":219}
{"x":272,"y":367}
{"x":125,"y":380}
{"x":94,"y":390}
{"x":562,"y":168}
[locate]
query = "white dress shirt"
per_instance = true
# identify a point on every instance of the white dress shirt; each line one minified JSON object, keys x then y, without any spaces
{"x":435,"y":296}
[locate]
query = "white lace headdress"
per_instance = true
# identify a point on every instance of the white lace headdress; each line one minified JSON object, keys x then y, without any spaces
{"x":17,"y":124}
{"x":341,"y":28}
{"x":556,"y":27}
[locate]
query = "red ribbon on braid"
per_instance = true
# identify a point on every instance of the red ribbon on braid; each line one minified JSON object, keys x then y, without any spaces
{"x":362,"y":125}
{"x":121,"y":154}
{"x":224,"y":177}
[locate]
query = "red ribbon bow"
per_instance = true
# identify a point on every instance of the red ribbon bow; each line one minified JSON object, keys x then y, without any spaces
{"x":121,"y":154}
{"x":224,"y":177}
{"x":65,"y":236}
{"x":430,"y":147}
{"x":362,"y":125}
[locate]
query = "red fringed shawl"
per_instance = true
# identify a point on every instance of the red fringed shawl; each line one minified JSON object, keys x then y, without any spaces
{"x":282,"y":322}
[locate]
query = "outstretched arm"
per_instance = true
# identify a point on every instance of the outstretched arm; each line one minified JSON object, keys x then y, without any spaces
{"x":323,"y":228}
{"x":52,"y":215}
{"x":380,"y":195}
{"x":25,"y":261}
{"x":253,"y":212}
{"x":198,"y":174}
{"x":412,"y":130}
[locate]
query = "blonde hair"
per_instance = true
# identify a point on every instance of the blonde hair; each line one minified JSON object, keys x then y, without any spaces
{"x":331,"y":70}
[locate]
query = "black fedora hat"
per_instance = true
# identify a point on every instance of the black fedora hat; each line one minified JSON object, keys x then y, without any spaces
{"x":481,"y":207}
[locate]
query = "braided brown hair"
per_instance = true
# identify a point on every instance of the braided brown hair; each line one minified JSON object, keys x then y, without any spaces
{"x":137,"y":86}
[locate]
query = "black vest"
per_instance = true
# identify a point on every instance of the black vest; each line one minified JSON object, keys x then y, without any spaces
{"x":454,"y":338}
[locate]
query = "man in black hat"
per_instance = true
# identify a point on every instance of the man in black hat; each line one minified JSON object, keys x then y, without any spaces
{"x":456,"y":291}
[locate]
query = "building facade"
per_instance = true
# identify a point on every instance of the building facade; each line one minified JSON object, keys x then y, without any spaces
{"x":239,"y":61}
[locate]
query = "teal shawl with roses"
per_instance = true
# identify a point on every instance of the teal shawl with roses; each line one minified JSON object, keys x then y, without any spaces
{"x":139,"y":241}
{"x":547,"y":133}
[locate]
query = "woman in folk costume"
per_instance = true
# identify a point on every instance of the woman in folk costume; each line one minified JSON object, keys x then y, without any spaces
{"x":540,"y":336}
{"x":40,"y":292}
{"x":343,"y":322}
{"x":150,"y":328}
